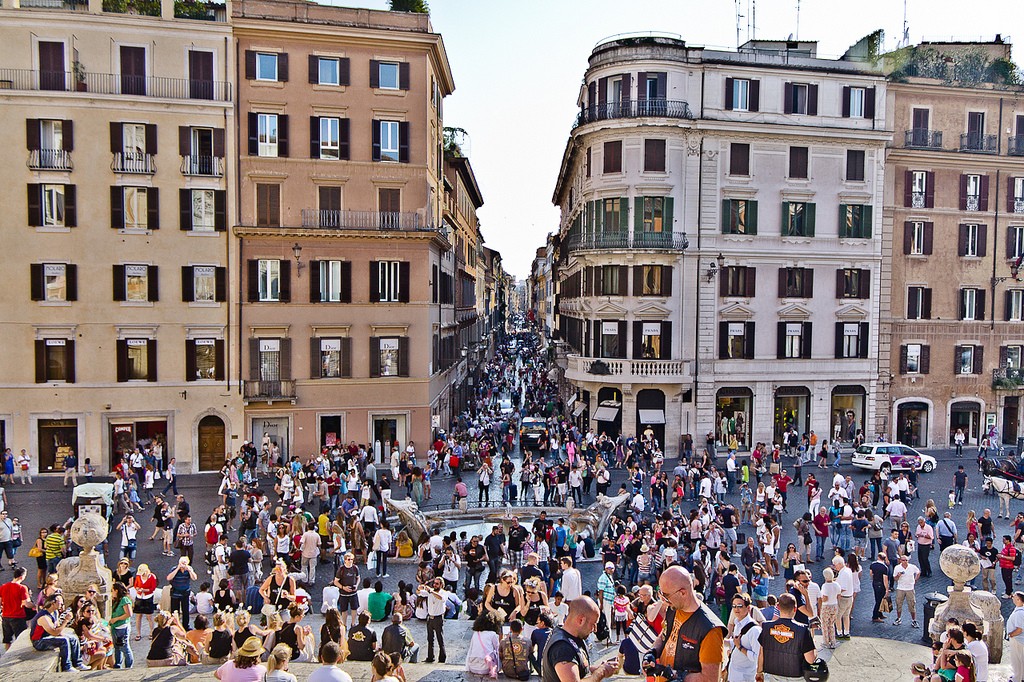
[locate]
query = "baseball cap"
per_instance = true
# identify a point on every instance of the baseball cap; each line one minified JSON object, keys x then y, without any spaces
{"x":609,"y":565}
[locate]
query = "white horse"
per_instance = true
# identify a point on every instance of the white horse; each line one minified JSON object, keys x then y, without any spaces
{"x":1006,"y":489}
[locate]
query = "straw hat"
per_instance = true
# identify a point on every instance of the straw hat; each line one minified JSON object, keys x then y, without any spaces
{"x":252,"y":648}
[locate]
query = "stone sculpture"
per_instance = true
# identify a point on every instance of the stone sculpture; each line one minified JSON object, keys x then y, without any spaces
{"x":597,"y":516}
{"x":416,"y":523}
{"x":76,"y":574}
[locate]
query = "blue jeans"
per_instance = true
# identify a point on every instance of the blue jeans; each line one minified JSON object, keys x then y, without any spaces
{"x":819,"y":550}
{"x":69,"y":647}
{"x":123,"y":657}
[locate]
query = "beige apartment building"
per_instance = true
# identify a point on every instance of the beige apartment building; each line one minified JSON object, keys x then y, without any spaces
{"x":345,"y":260}
{"x":116,"y":317}
{"x":952,"y":339}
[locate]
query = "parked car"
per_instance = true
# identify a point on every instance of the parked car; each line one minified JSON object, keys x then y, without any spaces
{"x":505,"y":405}
{"x":532,"y":432}
{"x":892,"y":457}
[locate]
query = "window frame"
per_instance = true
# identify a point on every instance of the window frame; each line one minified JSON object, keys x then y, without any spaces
{"x":320,"y":70}
{"x":797,"y":211}
{"x":914,"y":359}
{"x":390,"y":365}
{"x":965,"y":351}
{"x":917,"y":238}
{"x":655,"y":272}
{"x":741,"y":94}
{"x":390,"y":132}
{"x":137,"y":343}
{"x":200,"y":202}
{"x":854,"y":92}
{"x":739,"y":212}
{"x":65,"y":359}
{"x":139,"y":205}
{"x":797,"y":89}
{"x":969,"y":304}
{"x":331,"y":282}
{"x":330,"y":125}
{"x":204,"y":343}
{"x":63,"y":286}
{"x":852,"y":286}
{"x":268,"y":137}
{"x":381,"y":82}
{"x":204,"y":279}
{"x":136,"y":283}
{"x":389,"y":282}
{"x":334,"y":363}
{"x":793,"y":346}
{"x":263,"y":60}
{"x":971,"y":240}
{"x":269,"y":270}
{"x":736,"y":340}
{"x":53,"y":205}
{"x":851,"y":349}
{"x":1011,"y":351}
{"x":1015,"y":305}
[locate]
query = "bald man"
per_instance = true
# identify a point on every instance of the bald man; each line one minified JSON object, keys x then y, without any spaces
{"x":565,"y":657}
{"x":690,"y":644}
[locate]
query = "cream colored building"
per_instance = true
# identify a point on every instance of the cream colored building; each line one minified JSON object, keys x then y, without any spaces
{"x":116,"y":325}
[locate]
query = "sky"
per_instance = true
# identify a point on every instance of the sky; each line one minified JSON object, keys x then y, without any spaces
{"x":518,"y":68}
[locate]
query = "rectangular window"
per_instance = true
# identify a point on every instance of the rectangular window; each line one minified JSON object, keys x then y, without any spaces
{"x":965,"y":360}
{"x":739,"y":159}
{"x":330,"y":281}
{"x":919,"y":187}
{"x":51,"y":135}
{"x":389,"y":281}
{"x":267,"y":134}
{"x":857,"y":99}
{"x":330,"y":138}
{"x":1014,"y":305}
{"x":650,"y":340}
{"x":851,"y":340}
{"x":204,"y":283}
{"x":970,"y":240}
{"x":613,"y":157}
{"x":800,"y":98}
{"x":797,"y":219}
{"x":53,"y":205}
{"x":919,"y":303}
{"x":855,"y":165}
{"x":270,"y":280}
{"x":1014,"y":356}
{"x":654,"y":156}
{"x":203,"y":212}
{"x":136,"y":283}
{"x":971,"y":304}
{"x":1017,"y":187}
{"x":55,"y":282}
{"x":330,"y":358}
{"x":388,"y":75}
{"x":913,"y":358}
{"x":651,"y":280}
{"x":611,"y":215}
{"x":135,"y":208}
{"x":55,"y":360}
{"x":329,"y":71}
{"x":266,"y":66}
{"x":735,"y":340}
{"x":268,"y":205}
{"x":138,"y":359}
{"x":609,"y":280}
{"x":798,"y":163}
{"x":854,"y":221}
{"x":610,"y":339}
{"x":741,"y":94}
{"x":739,"y":216}
{"x":1014,"y":241}
{"x":270,"y":359}
{"x":389,"y":140}
{"x":654,"y":214}
{"x":917,"y":239}
{"x":738,"y":281}
{"x":205,"y":359}
{"x":854,"y":283}
{"x":795,"y":283}
{"x":389,"y":357}
{"x":973,"y":192}
{"x":794,"y":335}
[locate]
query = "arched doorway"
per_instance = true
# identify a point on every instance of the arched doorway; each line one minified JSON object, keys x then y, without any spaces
{"x":966,"y":415}
{"x":650,"y":413}
{"x":211,"y":443}
{"x":912,"y":424}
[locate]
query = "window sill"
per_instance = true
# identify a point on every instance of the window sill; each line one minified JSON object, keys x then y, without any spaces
{"x":852,"y":239}
{"x":52,"y":229}
{"x":268,"y":300}
{"x":328,"y":87}
{"x":971,"y":256}
{"x":796,"y":239}
{"x":275,"y":84}
{"x":135,"y":230}
{"x":389,"y":92}
{"x":136,"y":304}
{"x":739,"y":236}
{"x":203,"y":233}
{"x":136,"y":381}
{"x":916,"y":256}
{"x":55,"y":304}
{"x":204,"y":304}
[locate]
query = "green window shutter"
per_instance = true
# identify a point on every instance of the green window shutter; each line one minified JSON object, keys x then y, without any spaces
{"x":624,"y":215}
{"x":784,"y":225}
{"x":751,"y":218}
{"x":866,"y":222}
{"x":726,"y":210}
{"x":809,"y":219}
{"x":598,"y":216}
{"x":667,"y":222}
{"x":842,"y":221}
{"x":638,"y":214}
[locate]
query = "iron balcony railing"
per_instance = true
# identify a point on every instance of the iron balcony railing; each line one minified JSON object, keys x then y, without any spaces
{"x":133,"y":162}
{"x":115,"y":84}
{"x":624,"y":240}
{"x":196,"y":164}
{"x":269,"y":390}
{"x":363,"y":220}
{"x":1008,"y":377}
{"x":49,"y":159}
{"x":977,"y":142}
{"x":66,"y":5}
{"x":638,"y":108}
{"x":922,"y":138}
{"x":1015,"y":145}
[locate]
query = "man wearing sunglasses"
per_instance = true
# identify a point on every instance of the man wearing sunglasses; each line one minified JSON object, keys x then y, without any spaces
{"x":689,"y":647}
{"x":745,"y":645}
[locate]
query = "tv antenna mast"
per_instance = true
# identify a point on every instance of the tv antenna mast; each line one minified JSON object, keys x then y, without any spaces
{"x":739,"y":15}
{"x":798,"y":19}
{"x":906,"y":27}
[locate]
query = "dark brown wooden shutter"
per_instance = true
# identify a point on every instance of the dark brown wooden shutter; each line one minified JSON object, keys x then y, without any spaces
{"x":623,"y":280}
{"x":805,"y":340}
{"x":403,"y":142}
{"x":151,"y":138}
{"x":846,"y":108}
{"x":253,"y":283}
{"x":152,"y":208}
{"x":219,"y":360}
{"x":122,"y":360}
{"x":929,"y":235}
{"x":282,"y":135}
{"x":286,"y":359}
{"x":250,"y":65}
{"x":840,"y":337}
{"x":346,"y":281}
{"x":869,"y":103}
{"x":286,"y":280}
{"x":787,"y":98}
{"x":190,"y":360}
{"x":728,"y":93}
{"x":841,"y":283}
{"x":69,"y":361}
{"x":35,"y":207}
{"x":982,"y":240}
{"x":152,"y":283}
{"x":403,"y":356}
{"x":926,"y":303}
{"x":926,"y":359}
{"x":71,"y":275}
{"x":37,"y":283}
{"x":863,"y":341}
{"x":344,"y":149}
{"x":40,"y":361}
{"x":780,"y":340}
{"x":343,"y":72}
{"x":254,"y":359}
{"x":666,"y":280}
{"x":1002,"y":355}
{"x":188,"y":288}
{"x":638,"y":280}
{"x":812,"y":100}
{"x":403,"y":76}
{"x":908,"y":188}
{"x":374,"y":73}
{"x":979,"y":304}
{"x":314,"y":281}
{"x":70,"y":206}
{"x":32,"y":134}
{"x":929,"y":189}
{"x":596,"y":338}
{"x":963,"y":192}
{"x":375,"y":130}
{"x":783,"y":282}
{"x":119,"y":288}
{"x":254,"y":134}
{"x":184,"y":208}
{"x":220,"y":210}
{"x":754,"y":97}
{"x":67,"y":135}
{"x":282,"y":67}
{"x":403,"y":282}
{"x":983,"y":200}
{"x":666,"y":341}
{"x":903,"y":359}
{"x":622,"y":340}
{"x":979,"y":359}
{"x":314,"y":137}
{"x":220,"y":284}
{"x":638,"y":340}
{"x":961,"y":241}
{"x":723,"y":340}
{"x":864,"y":285}
{"x":184,"y":141}
{"x":748,"y":340}
{"x":374,"y":356}
{"x":117,"y":208}
{"x":913,"y":306}
{"x":151,"y":360}
{"x":314,"y":68}
{"x":116,"y":137}
{"x":315,"y":365}
{"x":908,"y":237}
{"x":374,"y":281}
{"x":1009,"y":193}
{"x":218,"y":142}
{"x":346,"y":357}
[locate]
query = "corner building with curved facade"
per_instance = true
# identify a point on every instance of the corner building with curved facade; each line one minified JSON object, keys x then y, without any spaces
{"x":703,"y":194}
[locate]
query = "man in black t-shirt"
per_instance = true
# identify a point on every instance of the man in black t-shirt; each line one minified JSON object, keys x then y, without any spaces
{"x":238,"y":569}
{"x":475,"y":556}
{"x":495,"y":546}
{"x":541,"y":524}
{"x":959,"y":484}
{"x":985,"y":525}
{"x":989,"y":558}
{"x":362,"y":641}
{"x":517,"y":535}
{"x":347,"y":582}
{"x":565,"y":657}
{"x":879,"y":585}
{"x":786,"y":645}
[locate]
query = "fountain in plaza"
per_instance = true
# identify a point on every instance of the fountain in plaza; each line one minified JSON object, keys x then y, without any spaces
{"x":416,"y":522}
{"x":76,"y":574}
{"x":962,"y":564}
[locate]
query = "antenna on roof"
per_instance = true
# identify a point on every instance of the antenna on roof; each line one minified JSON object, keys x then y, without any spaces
{"x":753,"y":17}
{"x":906,"y":28}
{"x":797,"y":20}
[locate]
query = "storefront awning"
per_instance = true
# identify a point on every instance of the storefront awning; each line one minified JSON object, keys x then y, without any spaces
{"x":570,"y":401}
{"x":606,"y":413}
{"x":652,"y":416}
{"x":578,"y":410}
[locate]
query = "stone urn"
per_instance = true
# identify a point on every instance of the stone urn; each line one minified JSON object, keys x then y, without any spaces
{"x":76,"y":574}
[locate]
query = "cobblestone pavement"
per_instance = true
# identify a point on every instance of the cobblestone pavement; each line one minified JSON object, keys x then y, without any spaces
{"x":47,"y":502}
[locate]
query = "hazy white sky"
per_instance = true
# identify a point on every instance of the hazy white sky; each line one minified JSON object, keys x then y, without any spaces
{"x":518,"y":68}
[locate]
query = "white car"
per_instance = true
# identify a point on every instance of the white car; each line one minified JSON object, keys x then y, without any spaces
{"x":505,"y":405}
{"x":892,"y":457}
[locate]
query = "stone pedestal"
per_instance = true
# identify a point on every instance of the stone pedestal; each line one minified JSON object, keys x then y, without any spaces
{"x":76,"y":574}
{"x":961,"y":564}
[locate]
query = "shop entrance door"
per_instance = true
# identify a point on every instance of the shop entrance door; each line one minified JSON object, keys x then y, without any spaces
{"x":966,"y":416}
{"x":57,"y":438}
{"x":211,"y":443}
{"x":385,"y":432}
{"x":1011,"y":419}
{"x":275,"y":428}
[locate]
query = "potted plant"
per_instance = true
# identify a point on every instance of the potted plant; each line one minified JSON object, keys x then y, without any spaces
{"x":78,"y":70}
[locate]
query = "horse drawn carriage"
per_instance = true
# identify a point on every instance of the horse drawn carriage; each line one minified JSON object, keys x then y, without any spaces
{"x":1005,"y":477}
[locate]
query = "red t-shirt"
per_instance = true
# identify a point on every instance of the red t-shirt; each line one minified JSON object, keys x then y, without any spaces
{"x":12,"y":595}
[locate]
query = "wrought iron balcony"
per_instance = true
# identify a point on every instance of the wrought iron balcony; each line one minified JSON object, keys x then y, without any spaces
{"x":115,"y":84}
{"x":922,"y":138}
{"x":1015,"y":145}
{"x":363,"y":220}
{"x":133,"y":162}
{"x":210,"y":166}
{"x":917,"y":200}
{"x":673,"y":241}
{"x":66,"y":5}
{"x":638,"y":108}
{"x":1008,"y":377}
{"x":1018,"y":205}
{"x":49,"y":159}
{"x":973,"y":202}
{"x":977,"y":142}
{"x":269,"y":390}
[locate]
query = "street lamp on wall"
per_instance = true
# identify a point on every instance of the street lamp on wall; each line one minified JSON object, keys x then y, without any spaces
{"x":715,"y":267}
{"x":297,"y":252}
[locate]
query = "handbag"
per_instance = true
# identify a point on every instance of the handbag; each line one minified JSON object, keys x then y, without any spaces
{"x":886,"y":605}
{"x":35,"y":552}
